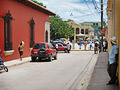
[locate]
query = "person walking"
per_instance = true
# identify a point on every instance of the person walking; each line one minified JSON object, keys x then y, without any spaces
{"x":56,"y":46}
{"x":85,"y":44}
{"x":90,"y":45}
{"x":80,"y":43}
{"x":104,"y":45}
{"x":20,"y":49}
{"x":96,"y":47}
{"x":113,"y":61}
{"x":68,"y":47}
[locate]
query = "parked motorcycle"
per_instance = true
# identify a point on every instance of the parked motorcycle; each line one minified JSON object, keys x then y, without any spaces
{"x":2,"y":65}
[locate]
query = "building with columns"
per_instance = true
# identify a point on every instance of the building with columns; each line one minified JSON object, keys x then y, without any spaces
{"x":82,"y":31}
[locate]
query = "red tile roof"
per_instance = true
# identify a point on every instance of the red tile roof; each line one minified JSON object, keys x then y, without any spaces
{"x":36,"y":6}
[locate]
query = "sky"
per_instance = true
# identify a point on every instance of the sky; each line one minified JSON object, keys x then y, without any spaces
{"x":77,"y":10}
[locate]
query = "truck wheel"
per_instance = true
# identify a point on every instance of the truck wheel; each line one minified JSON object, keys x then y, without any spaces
{"x":55,"y":58}
{"x":65,"y":50}
{"x":40,"y":59}
{"x":33,"y":59}
{"x":50,"y":58}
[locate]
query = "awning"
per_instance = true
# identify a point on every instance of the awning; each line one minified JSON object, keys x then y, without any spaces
{"x":96,"y":38}
{"x":81,"y":35}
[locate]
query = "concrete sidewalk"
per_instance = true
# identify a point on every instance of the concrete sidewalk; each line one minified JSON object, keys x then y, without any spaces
{"x":17,"y":62}
{"x":100,"y":76}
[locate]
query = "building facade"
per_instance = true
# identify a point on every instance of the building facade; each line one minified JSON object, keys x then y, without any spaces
{"x":113,"y":13}
{"x":92,"y":23}
{"x":83,"y":31}
{"x":22,"y":20}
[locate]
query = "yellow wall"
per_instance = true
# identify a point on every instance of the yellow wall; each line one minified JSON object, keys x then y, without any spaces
{"x":113,"y":12}
{"x":117,"y":33}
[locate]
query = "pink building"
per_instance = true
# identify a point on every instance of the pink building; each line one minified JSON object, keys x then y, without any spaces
{"x":22,"y":20}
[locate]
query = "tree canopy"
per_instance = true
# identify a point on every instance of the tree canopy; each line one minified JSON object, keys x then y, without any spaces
{"x":39,"y":3}
{"x":59,"y":28}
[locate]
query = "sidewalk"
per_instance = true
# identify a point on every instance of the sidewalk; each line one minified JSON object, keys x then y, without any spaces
{"x":100,"y":77}
{"x":17,"y":62}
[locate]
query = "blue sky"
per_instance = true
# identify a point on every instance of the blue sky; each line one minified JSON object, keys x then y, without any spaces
{"x":77,"y":10}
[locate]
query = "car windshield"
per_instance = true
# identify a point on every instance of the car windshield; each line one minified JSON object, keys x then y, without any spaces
{"x":39,"y":46}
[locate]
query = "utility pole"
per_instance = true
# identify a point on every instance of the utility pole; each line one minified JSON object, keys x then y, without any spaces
{"x":102,"y":23}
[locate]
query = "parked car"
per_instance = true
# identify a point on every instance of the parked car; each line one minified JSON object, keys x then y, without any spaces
{"x":43,"y":50}
{"x":54,"y":42}
{"x":62,"y":48}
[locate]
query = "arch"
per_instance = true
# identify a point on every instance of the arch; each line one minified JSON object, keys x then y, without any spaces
{"x":86,"y":31}
{"x":82,"y":31}
{"x":77,"y":30}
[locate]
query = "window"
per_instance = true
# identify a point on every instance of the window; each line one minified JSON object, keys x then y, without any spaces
{"x":46,"y":36}
{"x":96,"y":24}
{"x":50,"y":46}
{"x":32,"y":23}
{"x":8,"y":31}
{"x":77,"y":30}
{"x":39,"y":46}
{"x":86,"y":31}
{"x":82,"y":31}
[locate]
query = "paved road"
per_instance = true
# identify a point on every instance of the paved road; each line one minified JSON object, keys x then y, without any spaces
{"x":60,"y":74}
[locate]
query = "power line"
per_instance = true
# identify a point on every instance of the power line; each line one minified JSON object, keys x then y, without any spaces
{"x":88,"y":6}
{"x":95,"y":6}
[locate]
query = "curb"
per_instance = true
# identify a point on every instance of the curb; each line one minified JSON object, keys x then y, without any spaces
{"x":17,"y":64}
{"x":81,"y":50}
{"x":82,"y":83}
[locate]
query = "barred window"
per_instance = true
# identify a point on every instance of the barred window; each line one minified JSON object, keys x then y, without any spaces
{"x":32,"y":23}
{"x":46,"y":36}
{"x":8,"y":31}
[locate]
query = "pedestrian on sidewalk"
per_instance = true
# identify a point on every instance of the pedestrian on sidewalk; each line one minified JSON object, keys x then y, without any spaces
{"x":85,"y":44}
{"x":113,"y":61}
{"x":96,"y":47}
{"x":104,"y":45}
{"x":20,"y":49}
{"x":90,"y":45}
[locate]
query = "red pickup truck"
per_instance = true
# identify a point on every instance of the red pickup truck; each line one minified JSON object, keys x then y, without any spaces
{"x":62,"y":48}
{"x":43,"y":50}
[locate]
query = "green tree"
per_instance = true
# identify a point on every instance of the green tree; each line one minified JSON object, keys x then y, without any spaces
{"x":59,"y":28}
{"x":39,"y":3}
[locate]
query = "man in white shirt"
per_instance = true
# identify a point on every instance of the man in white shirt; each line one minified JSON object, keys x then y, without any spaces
{"x":56,"y":46}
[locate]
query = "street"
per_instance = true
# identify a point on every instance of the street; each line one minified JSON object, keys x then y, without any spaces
{"x":60,"y":74}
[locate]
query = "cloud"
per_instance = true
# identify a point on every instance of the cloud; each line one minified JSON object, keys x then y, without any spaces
{"x":79,"y":9}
